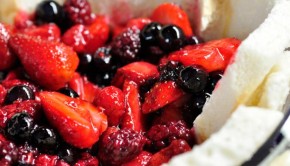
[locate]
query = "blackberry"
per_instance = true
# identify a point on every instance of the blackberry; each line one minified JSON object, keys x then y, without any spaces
{"x":69,"y":92}
{"x":193,"y":79}
{"x":103,"y":61}
{"x":120,"y":146}
{"x":161,"y":135}
{"x":149,"y":34}
{"x":171,"y":38}
{"x":49,"y":11}
{"x":170,"y":71}
{"x":127,"y":45}
{"x":19,"y":92}
{"x":19,"y":127}
{"x":78,"y":11}
{"x":44,"y":139}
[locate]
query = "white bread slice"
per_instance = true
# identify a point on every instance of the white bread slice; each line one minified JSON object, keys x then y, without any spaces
{"x":231,"y":18}
{"x":241,"y":136}
{"x":255,"y":57}
{"x":282,"y":160}
{"x":273,"y":92}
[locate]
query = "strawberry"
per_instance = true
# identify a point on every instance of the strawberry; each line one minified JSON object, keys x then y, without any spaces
{"x":173,"y":111}
{"x":161,"y":94}
{"x":50,"y":64}
{"x":138,"y":72}
{"x":22,"y":20}
{"x":141,"y":160}
{"x":76,"y":37}
{"x":77,"y":121}
{"x":213,"y":55}
{"x":170,"y":13}
{"x":84,"y":88}
{"x":6,"y":56}
{"x":112,"y":100}
{"x":46,"y":160}
{"x":87,"y":38}
{"x":46,"y":32}
{"x":132,"y":118}
{"x":164,"y":155}
{"x":138,"y":22}
{"x":3,"y":93}
{"x":31,"y":107}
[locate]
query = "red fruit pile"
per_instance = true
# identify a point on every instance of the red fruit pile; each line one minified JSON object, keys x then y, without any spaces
{"x":72,"y":94}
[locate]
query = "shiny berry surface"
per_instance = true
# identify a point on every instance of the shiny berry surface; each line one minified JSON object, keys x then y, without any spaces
{"x":69,"y":92}
{"x":44,"y":138}
{"x":171,"y":38}
{"x":19,"y":127}
{"x":193,"y":79}
{"x":19,"y":92}
{"x":149,"y":34}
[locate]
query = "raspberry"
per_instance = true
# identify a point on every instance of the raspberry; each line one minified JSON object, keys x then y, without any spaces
{"x":87,"y":160}
{"x":126,"y":46}
{"x":162,"y":135}
{"x":31,"y":107}
{"x":26,"y":154}
{"x":45,"y":159}
{"x":79,"y":11}
{"x":8,"y":152}
{"x":120,"y":146}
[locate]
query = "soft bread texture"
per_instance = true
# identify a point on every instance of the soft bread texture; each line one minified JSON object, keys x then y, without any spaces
{"x":231,"y":18}
{"x":273,"y":92}
{"x":236,"y":142}
{"x":253,"y":61}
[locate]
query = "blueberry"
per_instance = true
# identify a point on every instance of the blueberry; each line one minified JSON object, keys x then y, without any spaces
{"x":19,"y":127}
{"x":44,"y":138}
{"x":192,"y":40}
{"x":193,"y":79}
{"x":69,"y":92}
{"x":85,"y":62}
{"x":67,"y":153}
{"x":213,"y":78}
{"x":19,"y":92}
{"x":171,"y":38}
{"x":49,"y":11}
{"x":101,"y":79}
{"x":149,"y":34}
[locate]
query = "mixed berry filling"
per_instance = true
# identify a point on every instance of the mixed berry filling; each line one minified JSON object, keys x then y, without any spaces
{"x":78,"y":89}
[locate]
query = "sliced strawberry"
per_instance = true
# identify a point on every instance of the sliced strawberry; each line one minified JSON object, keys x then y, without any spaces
{"x":31,"y":107}
{"x":213,"y":55}
{"x":138,"y":72}
{"x":112,"y":100}
{"x":46,"y":32}
{"x":138,"y":22}
{"x":170,"y":13}
{"x":3,"y":93}
{"x":99,"y":32}
{"x":173,"y":111}
{"x":76,"y":37}
{"x":6,"y":56}
{"x":87,"y":38}
{"x":164,"y":155}
{"x":160,"y":95}
{"x":50,"y":64}
{"x":141,"y":160}
{"x":84,"y":88}
{"x":132,"y":118}
{"x":77,"y":121}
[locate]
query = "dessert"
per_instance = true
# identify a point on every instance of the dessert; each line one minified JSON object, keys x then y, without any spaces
{"x":82,"y":88}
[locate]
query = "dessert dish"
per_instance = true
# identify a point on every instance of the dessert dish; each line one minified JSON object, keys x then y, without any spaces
{"x":84,"y":88}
